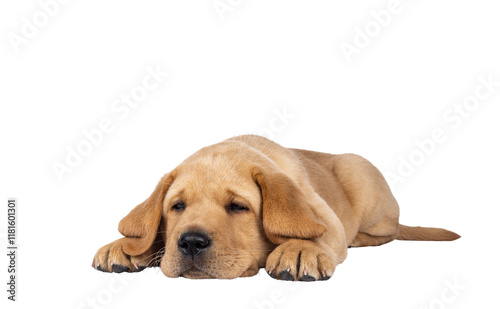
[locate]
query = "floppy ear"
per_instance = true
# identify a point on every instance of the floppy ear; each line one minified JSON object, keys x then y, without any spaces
{"x":140,"y":226}
{"x":286,"y":213}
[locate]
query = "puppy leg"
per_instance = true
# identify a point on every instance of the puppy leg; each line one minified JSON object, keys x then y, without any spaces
{"x":111,"y":257}
{"x":379,"y":233}
{"x":303,"y":260}
{"x":363,"y":240}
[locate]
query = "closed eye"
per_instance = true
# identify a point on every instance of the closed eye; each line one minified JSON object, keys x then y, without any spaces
{"x":179,"y":206}
{"x":234,"y":207}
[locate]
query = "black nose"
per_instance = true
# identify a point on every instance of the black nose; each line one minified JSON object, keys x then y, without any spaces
{"x":193,"y":243}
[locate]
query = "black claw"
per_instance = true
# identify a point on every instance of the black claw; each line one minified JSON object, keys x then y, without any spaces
{"x":117,"y":268}
{"x":286,"y":275}
{"x":99,"y":268}
{"x":139,"y":268}
{"x":325,"y":278}
{"x":307,"y":278}
{"x":272,"y":274}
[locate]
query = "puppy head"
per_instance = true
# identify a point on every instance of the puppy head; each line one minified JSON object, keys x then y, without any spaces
{"x":225,"y":209}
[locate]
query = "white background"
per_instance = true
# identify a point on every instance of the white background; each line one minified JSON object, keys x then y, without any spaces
{"x":232,"y":74}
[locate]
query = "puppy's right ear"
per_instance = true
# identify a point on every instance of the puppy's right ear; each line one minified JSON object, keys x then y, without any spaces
{"x":286,"y":212}
{"x":140,"y":226}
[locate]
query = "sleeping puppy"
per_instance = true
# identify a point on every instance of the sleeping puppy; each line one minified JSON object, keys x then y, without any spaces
{"x":246,"y":203}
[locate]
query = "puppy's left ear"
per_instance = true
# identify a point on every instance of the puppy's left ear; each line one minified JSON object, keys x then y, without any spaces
{"x":140,"y":226}
{"x":286,"y":212}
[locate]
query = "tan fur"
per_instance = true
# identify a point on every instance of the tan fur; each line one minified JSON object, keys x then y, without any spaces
{"x":305,"y":209}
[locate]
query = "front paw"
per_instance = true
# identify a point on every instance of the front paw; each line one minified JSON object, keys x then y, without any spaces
{"x":111,"y":258}
{"x":301,"y":260}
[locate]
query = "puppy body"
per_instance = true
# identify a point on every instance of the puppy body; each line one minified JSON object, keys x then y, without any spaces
{"x":252,"y":203}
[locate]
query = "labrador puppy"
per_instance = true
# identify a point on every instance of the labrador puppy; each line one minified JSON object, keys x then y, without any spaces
{"x":246,"y":203}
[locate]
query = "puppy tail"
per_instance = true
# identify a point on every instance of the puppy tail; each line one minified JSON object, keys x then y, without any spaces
{"x":425,"y":233}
